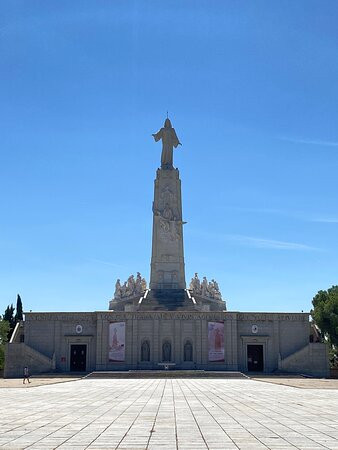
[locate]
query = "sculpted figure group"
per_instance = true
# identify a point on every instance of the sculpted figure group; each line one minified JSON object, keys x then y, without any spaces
{"x":204,"y":288}
{"x":133,"y":286}
{"x":170,"y":224}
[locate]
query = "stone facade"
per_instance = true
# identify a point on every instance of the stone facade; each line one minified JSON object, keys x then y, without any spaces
{"x":49,"y":338}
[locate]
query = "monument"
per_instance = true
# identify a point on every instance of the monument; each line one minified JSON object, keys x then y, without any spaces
{"x":167,"y":258}
{"x":167,"y":287}
{"x":166,"y":323}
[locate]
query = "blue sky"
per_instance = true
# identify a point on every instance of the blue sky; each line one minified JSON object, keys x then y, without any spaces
{"x":251,"y":88}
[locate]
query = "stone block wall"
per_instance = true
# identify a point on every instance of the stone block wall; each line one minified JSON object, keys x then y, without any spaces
{"x":54,"y":333}
{"x":311,"y":360}
{"x":19,"y":355}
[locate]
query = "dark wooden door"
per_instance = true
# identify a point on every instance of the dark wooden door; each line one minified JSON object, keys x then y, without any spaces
{"x":78,"y":358}
{"x":255,"y":358}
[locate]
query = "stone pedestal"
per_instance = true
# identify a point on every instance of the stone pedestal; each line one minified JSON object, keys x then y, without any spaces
{"x":167,"y":259}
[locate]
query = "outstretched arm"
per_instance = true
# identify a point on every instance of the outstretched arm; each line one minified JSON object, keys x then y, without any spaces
{"x":157,"y":136}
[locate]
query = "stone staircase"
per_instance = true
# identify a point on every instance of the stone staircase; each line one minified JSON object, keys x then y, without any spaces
{"x":311,"y":360}
{"x":171,"y":373}
{"x":167,"y":300}
{"x":21,"y":355}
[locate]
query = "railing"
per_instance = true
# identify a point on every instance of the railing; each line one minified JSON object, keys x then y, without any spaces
{"x":16,"y":332}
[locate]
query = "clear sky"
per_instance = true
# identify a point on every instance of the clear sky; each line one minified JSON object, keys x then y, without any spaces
{"x":251,"y":89}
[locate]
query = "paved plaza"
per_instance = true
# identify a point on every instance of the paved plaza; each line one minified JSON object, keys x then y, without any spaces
{"x":168,"y":414}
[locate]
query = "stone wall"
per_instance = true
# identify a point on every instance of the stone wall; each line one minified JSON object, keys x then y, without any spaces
{"x":19,"y":355}
{"x":54,"y":333}
{"x":283,"y":337}
{"x":278,"y":333}
{"x":311,"y":360}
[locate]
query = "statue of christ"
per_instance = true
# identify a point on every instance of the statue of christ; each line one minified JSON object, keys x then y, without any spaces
{"x":169,"y":140}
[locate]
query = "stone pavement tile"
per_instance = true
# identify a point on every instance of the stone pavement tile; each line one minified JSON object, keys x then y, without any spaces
{"x":220,"y":443}
{"x":10,"y":436}
{"x":99,"y":442}
{"x":222,"y":446}
{"x":35,"y":382}
{"x":239,"y":434}
{"x":248,"y":441}
{"x":50,"y":441}
{"x":133,"y":447}
{"x":160,"y":447}
{"x":250,"y":446}
{"x":216,"y":437}
{"x":281,"y":447}
{"x":41,"y":447}
{"x":300,"y":382}
{"x":311,"y":447}
{"x":139,"y":430}
{"x":94,"y":447}
{"x":308,"y":445}
{"x":328,"y":442}
{"x":70,"y":446}
{"x":270,"y":442}
{"x":135,"y":439}
{"x":204,"y":413}
{"x":280,"y":444}
{"x":190,"y":446}
{"x":105,"y":445}
{"x":20,"y":442}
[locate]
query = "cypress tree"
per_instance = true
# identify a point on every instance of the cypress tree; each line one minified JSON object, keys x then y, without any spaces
{"x":4,"y":331}
{"x":19,"y":312}
{"x":9,"y":315}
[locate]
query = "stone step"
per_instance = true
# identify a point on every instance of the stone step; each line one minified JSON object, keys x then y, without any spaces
{"x":166,"y":374}
{"x":167,"y":300}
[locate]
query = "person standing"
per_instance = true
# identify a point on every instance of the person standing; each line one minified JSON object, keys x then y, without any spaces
{"x":25,"y":375}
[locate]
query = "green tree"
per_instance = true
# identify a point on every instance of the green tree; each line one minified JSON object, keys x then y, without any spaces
{"x":9,"y":317}
{"x":4,"y":331}
{"x":325,"y":315}
{"x":19,"y":311}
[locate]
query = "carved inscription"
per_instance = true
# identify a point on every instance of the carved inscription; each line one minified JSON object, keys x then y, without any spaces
{"x":191,"y":315}
{"x":264,"y":317}
{"x":162,"y":315}
{"x":62,"y":317}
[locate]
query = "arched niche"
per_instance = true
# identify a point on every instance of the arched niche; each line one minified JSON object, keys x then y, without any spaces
{"x":145,"y":351}
{"x":188,"y":351}
{"x":166,"y":351}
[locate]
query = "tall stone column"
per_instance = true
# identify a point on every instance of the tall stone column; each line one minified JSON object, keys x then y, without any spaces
{"x":167,"y":259}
